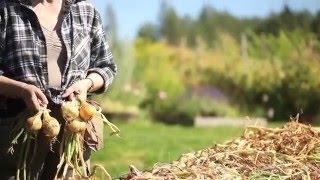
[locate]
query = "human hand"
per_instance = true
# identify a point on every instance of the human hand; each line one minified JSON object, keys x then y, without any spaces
{"x":33,"y":97}
{"x":79,"y":88}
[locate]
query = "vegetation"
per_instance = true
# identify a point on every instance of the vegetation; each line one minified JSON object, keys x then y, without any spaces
{"x":260,"y":64}
{"x":263,"y":66}
{"x":144,"y":143}
{"x":279,"y":73}
{"x":291,"y":152}
{"x":211,"y":22}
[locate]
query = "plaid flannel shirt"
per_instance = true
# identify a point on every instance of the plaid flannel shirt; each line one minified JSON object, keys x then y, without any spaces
{"x":23,"y":47}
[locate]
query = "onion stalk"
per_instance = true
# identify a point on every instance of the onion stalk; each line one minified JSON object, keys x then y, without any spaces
{"x":25,"y":133}
{"x":71,"y":147}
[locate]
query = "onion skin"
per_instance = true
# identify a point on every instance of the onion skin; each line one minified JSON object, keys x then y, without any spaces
{"x":51,"y":126}
{"x":70,"y":110}
{"x":52,"y":130}
{"x":77,"y":126}
{"x":34,"y":123}
{"x":86,"y":111}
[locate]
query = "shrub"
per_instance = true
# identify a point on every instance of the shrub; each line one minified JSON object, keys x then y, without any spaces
{"x":280,"y":73}
{"x":177,"y":111}
{"x":284,"y":68}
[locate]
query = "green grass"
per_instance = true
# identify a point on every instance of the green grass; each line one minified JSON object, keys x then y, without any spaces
{"x":144,"y":143}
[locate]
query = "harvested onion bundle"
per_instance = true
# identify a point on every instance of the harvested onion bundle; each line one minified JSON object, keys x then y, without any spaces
{"x":77,"y":114}
{"x":28,"y":131}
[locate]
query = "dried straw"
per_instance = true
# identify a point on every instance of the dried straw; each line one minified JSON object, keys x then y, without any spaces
{"x":290,"y":152}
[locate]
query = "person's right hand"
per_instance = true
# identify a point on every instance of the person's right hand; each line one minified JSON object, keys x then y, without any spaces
{"x":33,"y":98}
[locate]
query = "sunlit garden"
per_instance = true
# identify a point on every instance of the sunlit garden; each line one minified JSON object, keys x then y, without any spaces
{"x":214,"y":66}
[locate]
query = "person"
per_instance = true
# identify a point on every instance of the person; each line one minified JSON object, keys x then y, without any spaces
{"x":50,"y":51}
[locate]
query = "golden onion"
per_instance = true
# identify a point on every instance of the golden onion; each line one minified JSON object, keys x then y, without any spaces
{"x":86,"y":111}
{"x":51,"y":126}
{"x":70,"y":110}
{"x":76,"y":126}
{"x":34,"y":123}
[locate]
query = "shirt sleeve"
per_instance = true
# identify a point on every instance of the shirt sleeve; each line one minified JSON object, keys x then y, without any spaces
{"x":101,"y":58}
{"x":2,"y":37}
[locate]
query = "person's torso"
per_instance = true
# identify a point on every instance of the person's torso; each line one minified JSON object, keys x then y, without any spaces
{"x":56,"y":57}
{"x":25,"y":50}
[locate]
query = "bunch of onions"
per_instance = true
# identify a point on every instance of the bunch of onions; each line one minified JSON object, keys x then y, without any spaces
{"x":77,"y":114}
{"x":27,"y":133}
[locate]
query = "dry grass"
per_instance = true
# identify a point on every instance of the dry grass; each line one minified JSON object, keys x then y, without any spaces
{"x":291,"y":152}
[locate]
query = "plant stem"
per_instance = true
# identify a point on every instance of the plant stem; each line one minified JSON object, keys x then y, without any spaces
{"x":15,"y":140}
{"x":21,"y":154}
{"x":80,"y":152}
{"x":26,"y":156}
{"x":62,"y":160}
{"x":35,"y":147}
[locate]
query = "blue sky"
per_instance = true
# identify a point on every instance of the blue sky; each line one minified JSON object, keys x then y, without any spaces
{"x":131,"y":14}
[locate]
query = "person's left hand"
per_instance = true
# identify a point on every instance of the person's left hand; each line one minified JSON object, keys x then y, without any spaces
{"x":79,"y":88}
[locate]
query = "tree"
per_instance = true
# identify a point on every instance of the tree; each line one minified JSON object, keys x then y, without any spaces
{"x":148,"y":31}
{"x":170,"y":28}
{"x":316,"y":25}
{"x":189,"y":32}
{"x":206,"y":26}
{"x":111,"y":27}
{"x":286,"y":20}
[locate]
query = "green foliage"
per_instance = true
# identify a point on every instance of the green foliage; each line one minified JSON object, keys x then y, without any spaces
{"x":281,"y":73}
{"x":175,"y":111}
{"x":206,"y":26}
{"x":123,"y":88}
{"x":170,"y":27}
{"x":155,"y":70}
{"x":163,"y":83}
{"x":275,"y":67}
{"x":148,"y":31}
{"x":283,"y":46}
{"x":283,"y":68}
{"x":211,"y":23}
{"x":167,"y":73}
{"x":210,"y":107}
{"x":286,"y":20}
{"x":315,"y":26}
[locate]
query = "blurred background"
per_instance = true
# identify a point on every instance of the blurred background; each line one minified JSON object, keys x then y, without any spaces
{"x":193,"y":73}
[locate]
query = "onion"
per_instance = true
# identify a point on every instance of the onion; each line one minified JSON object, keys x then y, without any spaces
{"x":34,"y":123}
{"x":51,"y":126}
{"x":86,"y":111}
{"x":77,"y":126}
{"x":70,"y":110}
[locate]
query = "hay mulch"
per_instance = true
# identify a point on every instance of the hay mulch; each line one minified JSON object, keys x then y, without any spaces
{"x":290,"y":152}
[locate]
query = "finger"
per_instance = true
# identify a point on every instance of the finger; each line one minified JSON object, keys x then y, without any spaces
{"x":42,"y":105}
{"x":69,"y":91}
{"x":34,"y":105}
{"x":71,"y":97}
{"x":82,"y":95}
{"x":43,"y":99}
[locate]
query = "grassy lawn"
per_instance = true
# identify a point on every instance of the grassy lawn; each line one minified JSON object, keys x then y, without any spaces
{"x":144,"y":143}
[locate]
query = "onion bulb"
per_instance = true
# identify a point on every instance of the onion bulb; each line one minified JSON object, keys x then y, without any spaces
{"x":51,"y":126}
{"x":86,"y":111}
{"x":77,"y":126}
{"x":34,"y":123}
{"x":70,"y":110}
